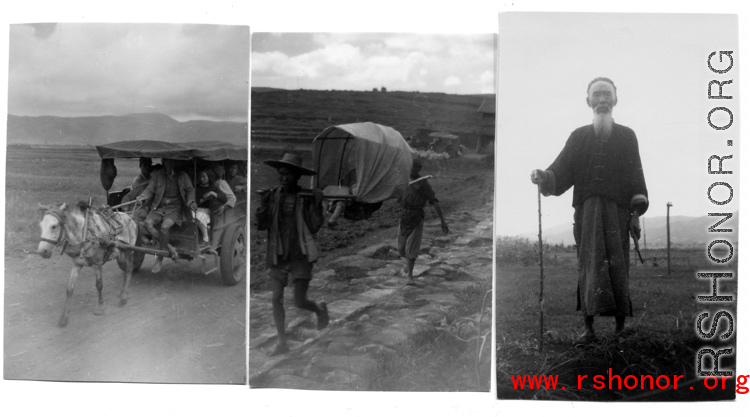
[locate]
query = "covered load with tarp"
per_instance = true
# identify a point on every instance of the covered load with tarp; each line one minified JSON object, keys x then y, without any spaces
{"x":363,"y":163}
{"x":207,"y":150}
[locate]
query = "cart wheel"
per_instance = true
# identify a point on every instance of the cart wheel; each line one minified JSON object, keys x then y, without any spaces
{"x":232,"y":262}
{"x":137,"y":257}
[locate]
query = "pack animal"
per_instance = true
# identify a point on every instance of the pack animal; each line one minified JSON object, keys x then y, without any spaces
{"x":65,"y":225}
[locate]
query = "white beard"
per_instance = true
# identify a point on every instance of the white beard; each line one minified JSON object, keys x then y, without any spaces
{"x":603,"y":124}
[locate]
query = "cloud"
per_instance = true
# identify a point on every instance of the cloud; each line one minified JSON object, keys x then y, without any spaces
{"x":331,"y":60}
{"x":487,"y":82}
{"x":362,"y":61}
{"x":197,"y":71}
{"x":451,"y":81}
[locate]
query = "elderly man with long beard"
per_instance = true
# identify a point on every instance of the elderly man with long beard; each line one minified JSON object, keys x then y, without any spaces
{"x":602,"y":163}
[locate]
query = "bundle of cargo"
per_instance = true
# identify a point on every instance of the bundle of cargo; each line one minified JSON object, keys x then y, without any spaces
{"x":359,"y":166}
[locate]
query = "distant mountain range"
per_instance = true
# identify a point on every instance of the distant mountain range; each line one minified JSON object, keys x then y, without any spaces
{"x":685,"y":232}
{"x":99,"y":130}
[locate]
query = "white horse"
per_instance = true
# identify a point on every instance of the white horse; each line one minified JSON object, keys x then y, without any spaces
{"x":64,"y":225}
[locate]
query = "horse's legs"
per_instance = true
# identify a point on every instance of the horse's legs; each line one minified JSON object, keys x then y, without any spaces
{"x":69,"y":294}
{"x":128,"y":274}
{"x":99,"y":310}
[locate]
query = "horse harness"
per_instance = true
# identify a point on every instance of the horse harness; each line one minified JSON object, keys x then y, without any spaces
{"x":58,"y":214}
{"x":89,"y":239}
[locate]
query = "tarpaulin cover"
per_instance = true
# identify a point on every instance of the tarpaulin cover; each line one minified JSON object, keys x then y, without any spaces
{"x":371,"y":159}
{"x":208,"y":150}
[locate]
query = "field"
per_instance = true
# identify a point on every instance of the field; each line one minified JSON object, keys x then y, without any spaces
{"x":178,"y":326}
{"x":283,"y":117}
{"x":45,"y":176}
{"x":659,"y":339}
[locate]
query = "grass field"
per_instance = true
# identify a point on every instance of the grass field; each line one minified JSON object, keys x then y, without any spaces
{"x":660,"y":338}
{"x":45,"y":176}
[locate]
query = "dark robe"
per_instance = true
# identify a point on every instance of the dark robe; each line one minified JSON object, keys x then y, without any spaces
{"x":606,"y":176}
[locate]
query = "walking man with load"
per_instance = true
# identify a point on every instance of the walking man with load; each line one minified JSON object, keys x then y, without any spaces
{"x":412,"y":200}
{"x":602,"y":163}
{"x":292,"y":215}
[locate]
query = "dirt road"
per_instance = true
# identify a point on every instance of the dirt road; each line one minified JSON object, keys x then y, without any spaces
{"x":179,"y":326}
{"x":375,"y":319}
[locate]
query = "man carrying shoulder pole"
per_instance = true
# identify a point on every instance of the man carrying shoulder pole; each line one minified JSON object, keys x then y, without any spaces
{"x":412,"y":200}
{"x":292,"y":215}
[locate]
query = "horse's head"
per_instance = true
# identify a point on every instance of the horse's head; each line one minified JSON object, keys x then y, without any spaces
{"x":52,"y":226}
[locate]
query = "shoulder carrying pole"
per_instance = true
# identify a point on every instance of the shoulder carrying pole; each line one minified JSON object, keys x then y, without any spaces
{"x":426,"y":177}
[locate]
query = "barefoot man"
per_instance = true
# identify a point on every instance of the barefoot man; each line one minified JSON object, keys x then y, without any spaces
{"x":602,"y":163}
{"x":292,"y":215}
{"x":412,"y":201}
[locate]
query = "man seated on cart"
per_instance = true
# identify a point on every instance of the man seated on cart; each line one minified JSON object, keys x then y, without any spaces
{"x":140,"y":182}
{"x":236,"y":182}
{"x":171,"y":191}
{"x":221,"y":184}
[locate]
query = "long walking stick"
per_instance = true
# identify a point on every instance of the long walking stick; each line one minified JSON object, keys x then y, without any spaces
{"x":541,"y":272}
{"x":637,"y":249}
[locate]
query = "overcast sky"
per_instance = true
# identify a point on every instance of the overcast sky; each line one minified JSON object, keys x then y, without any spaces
{"x":401,"y":16}
{"x":450,"y":63}
{"x":658,"y":63}
{"x":91,"y":69}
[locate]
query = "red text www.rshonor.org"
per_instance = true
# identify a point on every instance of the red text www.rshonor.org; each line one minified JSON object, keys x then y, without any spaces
{"x":611,"y":381}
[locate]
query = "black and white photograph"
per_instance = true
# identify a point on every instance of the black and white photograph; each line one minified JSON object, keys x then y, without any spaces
{"x":392,"y":208}
{"x":618,"y":190}
{"x":125,"y":203}
{"x":372,"y":186}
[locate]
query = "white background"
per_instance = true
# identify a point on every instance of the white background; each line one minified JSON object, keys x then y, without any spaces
{"x":43,"y":398}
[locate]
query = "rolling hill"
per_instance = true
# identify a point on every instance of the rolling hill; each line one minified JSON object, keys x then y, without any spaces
{"x":98,"y":130}
{"x":685,"y":232}
{"x":281,"y":118}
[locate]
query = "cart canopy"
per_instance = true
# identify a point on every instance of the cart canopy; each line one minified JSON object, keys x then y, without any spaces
{"x":371,"y":159}
{"x":208,"y":150}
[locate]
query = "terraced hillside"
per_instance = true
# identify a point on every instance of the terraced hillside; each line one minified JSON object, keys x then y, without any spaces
{"x":280,"y":118}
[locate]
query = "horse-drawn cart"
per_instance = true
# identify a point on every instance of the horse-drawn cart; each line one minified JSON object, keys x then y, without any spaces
{"x":226,"y":247}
